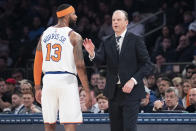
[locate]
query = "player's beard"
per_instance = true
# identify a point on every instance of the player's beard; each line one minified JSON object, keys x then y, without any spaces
{"x":72,"y":23}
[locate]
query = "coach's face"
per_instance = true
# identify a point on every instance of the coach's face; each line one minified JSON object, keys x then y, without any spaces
{"x":119,"y":22}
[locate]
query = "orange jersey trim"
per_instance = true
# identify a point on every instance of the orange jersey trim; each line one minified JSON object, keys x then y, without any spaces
{"x":37,"y":72}
{"x":65,"y":12}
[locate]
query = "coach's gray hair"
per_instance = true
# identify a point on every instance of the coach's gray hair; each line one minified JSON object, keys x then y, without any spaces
{"x":173,"y":89}
{"x":124,"y":12}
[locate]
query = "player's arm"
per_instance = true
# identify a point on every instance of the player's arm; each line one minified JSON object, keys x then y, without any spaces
{"x":38,"y":64}
{"x":37,"y":72}
{"x":77,"y":42}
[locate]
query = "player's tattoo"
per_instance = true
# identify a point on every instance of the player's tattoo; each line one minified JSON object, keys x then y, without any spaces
{"x":77,"y":41}
{"x":78,"y":49}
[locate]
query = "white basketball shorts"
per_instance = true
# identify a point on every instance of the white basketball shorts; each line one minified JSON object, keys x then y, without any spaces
{"x":60,"y":93}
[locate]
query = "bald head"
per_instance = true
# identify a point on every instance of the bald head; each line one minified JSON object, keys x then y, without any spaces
{"x":192,"y":96}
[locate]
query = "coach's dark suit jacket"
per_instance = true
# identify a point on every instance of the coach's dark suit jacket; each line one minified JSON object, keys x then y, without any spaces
{"x":133,"y":61}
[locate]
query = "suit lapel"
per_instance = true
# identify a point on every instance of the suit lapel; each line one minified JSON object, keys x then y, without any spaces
{"x":124,"y":44}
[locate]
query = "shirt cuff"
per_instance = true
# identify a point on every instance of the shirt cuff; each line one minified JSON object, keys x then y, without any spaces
{"x":92,"y":57}
{"x":135,"y":82}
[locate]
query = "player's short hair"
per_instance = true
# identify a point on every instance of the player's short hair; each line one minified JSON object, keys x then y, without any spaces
{"x":62,"y":7}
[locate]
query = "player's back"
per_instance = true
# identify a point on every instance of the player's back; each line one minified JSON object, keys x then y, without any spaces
{"x":57,"y":50}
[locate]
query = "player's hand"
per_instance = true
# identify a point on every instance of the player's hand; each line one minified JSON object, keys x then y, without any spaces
{"x":128,"y":87}
{"x":88,"y":100}
{"x":38,"y":93}
{"x":89,"y":46}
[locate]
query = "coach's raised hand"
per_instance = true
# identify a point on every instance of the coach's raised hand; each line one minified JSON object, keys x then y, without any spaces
{"x":89,"y":46}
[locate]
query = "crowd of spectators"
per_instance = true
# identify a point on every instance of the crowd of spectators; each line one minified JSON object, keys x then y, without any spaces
{"x":168,"y":88}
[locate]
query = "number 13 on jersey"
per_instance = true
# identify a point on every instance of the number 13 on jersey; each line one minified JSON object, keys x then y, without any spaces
{"x":57,"y":52}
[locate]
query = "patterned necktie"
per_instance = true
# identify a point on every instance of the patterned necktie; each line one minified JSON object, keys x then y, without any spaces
{"x":117,"y":44}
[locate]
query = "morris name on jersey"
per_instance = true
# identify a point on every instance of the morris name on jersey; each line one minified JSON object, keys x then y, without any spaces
{"x":54,"y":36}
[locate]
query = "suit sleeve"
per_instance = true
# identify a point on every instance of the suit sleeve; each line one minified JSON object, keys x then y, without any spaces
{"x":100,"y":55}
{"x":145,"y":65}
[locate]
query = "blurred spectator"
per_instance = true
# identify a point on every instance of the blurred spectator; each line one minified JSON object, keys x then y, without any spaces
{"x":25,"y":87}
{"x":145,"y":106}
{"x":152,"y":95}
{"x":171,"y":101}
{"x":193,"y":85}
{"x":18,"y":75}
{"x":83,"y":29}
{"x":187,"y":19}
{"x":4,"y":102}
{"x":177,"y":82}
{"x":83,"y":98}
{"x":193,"y":80}
{"x":160,"y":60}
{"x":178,"y":31}
{"x":186,"y":87}
{"x":165,"y":33}
{"x":37,"y":28}
{"x":192,"y":97}
{"x":5,"y":54}
{"x":158,"y":80}
{"x":151,"y":80}
{"x":135,"y":26}
{"x":184,"y":50}
{"x":102,"y":103}
{"x":94,"y":79}
{"x":10,"y":89}
{"x":29,"y":107}
{"x":101,"y":83}
{"x":187,"y":72}
{"x":191,"y":35}
{"x":164,"y":85}
{"x":146,"y":103}
{"x":94,"y":93}
{"x":17,"y":105}
{"x":106,"y":28}
{"x":165,"y":49}
{"x":11,"y":82}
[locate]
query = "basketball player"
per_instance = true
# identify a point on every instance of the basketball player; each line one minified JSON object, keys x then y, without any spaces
{"x":59,"y":56}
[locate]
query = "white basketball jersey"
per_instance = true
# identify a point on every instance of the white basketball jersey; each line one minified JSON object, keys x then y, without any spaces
{"x":57,"y":50}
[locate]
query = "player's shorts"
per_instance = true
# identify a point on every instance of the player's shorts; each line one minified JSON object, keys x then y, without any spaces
{"x":60,"y":93}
